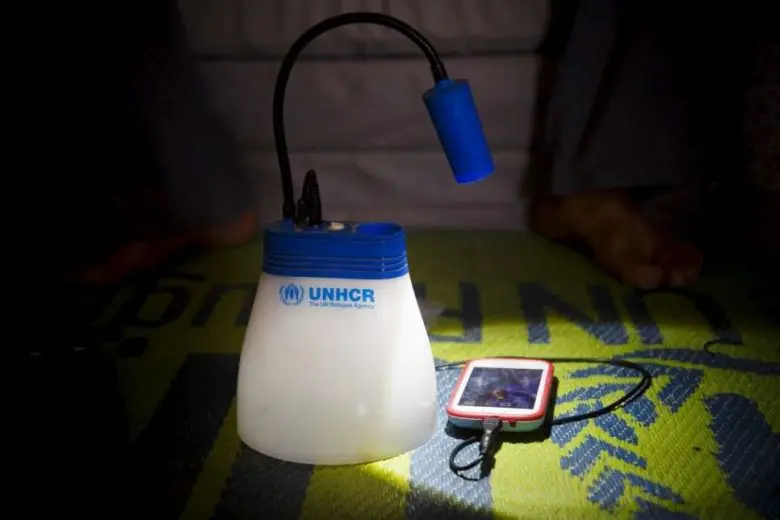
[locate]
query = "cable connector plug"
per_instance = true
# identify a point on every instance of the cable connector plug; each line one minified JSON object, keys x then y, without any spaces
{"x":311,"y":195}
{"x":309,"y":210}
{"x":302,"y":214}
{"x":487,"y":444}
{"x":491,"y":427}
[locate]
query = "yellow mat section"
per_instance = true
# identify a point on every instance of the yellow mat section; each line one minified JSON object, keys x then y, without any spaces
{"x":704,"y":442}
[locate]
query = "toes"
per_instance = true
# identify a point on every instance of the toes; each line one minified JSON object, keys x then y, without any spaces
{"x":233,"y":233}
{"x":674,"y":265}
{"x":128,"y":259}
{"x":680,"y":262}
{"x":646,"y":277}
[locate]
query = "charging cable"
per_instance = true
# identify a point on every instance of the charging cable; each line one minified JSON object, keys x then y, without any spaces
{"x":487,"y":445}
{"x":492,"y":426}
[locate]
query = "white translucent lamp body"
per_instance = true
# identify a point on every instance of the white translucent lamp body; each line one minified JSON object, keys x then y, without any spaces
{"x":336,"y":370}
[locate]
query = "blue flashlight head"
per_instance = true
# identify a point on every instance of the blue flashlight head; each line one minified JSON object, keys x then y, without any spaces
{"x":454,"y":114}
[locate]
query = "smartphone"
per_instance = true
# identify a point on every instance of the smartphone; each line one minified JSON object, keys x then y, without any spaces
{"x":516,"y":391}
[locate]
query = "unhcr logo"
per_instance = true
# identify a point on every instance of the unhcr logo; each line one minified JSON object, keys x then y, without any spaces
{"x":327,"y":297}
{"x":291,"y":294}
{"x":342,"y":297}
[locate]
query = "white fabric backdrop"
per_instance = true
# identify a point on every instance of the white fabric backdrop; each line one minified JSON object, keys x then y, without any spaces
{"x":354,"y":111}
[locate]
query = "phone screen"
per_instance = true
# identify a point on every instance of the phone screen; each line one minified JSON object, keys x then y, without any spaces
{"x":499,"y":387}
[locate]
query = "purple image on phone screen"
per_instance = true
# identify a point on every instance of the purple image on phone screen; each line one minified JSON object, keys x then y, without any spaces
{"x":499,"y":387}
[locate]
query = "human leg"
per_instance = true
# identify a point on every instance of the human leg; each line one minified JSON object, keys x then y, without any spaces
{"x":629,"y":126}
{"x":187,"y":184}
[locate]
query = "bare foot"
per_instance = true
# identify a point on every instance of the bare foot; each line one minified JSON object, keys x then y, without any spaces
{"x":148,"y":254}
{"x":128,"y":259}
{"x":233,"y":233}
{"x":623,"y":242}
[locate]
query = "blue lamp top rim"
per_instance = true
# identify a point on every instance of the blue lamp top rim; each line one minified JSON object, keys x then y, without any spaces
{"x":371,"y":250}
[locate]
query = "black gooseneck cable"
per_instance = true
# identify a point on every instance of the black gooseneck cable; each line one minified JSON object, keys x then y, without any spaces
{"x":308,"y":209}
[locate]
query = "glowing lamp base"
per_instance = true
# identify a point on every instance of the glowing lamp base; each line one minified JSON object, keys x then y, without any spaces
{"x":336,"y":365}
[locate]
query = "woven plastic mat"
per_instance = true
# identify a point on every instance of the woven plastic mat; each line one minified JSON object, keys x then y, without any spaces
{"x":704,"y":442}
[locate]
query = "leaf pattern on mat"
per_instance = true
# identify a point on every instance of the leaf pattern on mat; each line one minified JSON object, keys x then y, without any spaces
{"x":748,"y":476}
{"x":587,"y":452}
